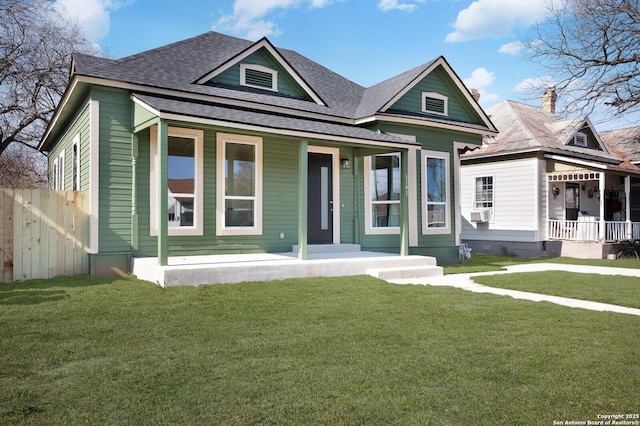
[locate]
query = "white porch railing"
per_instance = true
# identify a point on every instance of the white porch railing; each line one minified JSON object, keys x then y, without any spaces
{"x":590,"y":231}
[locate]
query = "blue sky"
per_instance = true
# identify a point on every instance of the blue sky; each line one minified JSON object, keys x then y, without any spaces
{"x":366,"y":41}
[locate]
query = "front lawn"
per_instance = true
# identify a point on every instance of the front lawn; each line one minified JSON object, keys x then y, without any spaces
{"x":614,"y":289}
{"x":333,"y":351}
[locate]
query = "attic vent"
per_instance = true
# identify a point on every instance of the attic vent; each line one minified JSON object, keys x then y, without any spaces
{"x":580,"y":139}
{"x":257,"y":76}
{"x":435,"y":103}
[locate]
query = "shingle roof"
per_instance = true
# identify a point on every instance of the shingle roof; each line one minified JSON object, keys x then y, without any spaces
{"x":624,"y":141}
{"x":207,"y":111}
{"x":529,"y":128}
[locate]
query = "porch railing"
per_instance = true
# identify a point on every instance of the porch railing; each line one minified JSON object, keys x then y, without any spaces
{"x":590,"y":231}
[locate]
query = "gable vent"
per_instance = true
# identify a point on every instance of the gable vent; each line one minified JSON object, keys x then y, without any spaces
{"x":259,"y":77}
{"x":434,"y":103}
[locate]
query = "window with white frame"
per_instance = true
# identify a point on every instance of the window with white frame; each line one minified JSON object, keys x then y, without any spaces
{"x":184,"y":181}
{"x":239,"y":185}
{"x":382,"y":194}
{"x":259,"y":77}
{"x":580,"y":139}
{"x":57,"y":173}
{"x":435,"y":103}
{"x":75,"y":164}
{"x":484,"y":192}
{"x":435,"y":216}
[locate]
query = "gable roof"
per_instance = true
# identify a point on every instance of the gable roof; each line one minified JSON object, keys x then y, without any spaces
{"x":525,"y":128}
{"x":178,"y":71}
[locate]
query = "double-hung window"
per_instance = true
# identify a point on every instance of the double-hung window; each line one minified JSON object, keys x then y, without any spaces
{"x":382,"y":192}
{"x":184,"y":181}
{"x":239,"y":185}
{"x":75,"y":164}
{"x":435,"y":216}
{"x":57,"y":173}
{"x":484,"y":192}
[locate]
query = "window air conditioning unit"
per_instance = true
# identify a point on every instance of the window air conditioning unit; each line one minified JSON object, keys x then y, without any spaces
{"x":481,"y":216}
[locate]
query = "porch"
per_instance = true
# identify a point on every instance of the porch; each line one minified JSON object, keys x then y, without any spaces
{"x":330,"y":260}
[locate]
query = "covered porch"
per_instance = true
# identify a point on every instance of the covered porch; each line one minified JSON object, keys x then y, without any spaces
{"x":593,"y":206}
{"x":321,"y":261}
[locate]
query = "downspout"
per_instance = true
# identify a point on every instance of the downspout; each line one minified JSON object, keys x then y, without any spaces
{"x":134,"y":192}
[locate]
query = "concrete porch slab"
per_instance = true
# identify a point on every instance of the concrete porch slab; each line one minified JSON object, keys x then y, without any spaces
{"x":235,"y":268}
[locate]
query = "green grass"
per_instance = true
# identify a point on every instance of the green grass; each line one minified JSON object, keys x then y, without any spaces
{"x":486,"y":263}
{"x":342,"y":351}
{"x":616,"y":290}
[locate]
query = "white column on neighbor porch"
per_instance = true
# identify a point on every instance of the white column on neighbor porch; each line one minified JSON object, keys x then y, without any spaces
{"x":627,"y":203}
{"x":601,"y":186}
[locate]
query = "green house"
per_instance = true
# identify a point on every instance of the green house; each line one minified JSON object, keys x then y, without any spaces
{"x":217,"y":145}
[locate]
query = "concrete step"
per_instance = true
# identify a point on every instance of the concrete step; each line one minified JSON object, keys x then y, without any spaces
{"x":406,"y":272}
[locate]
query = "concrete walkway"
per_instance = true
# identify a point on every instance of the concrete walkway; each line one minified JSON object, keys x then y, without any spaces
{"x":465,"y":282}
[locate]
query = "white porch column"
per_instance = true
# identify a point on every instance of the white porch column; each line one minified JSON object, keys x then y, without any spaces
{"x":627,"y":204}
{"x":601,"y":185}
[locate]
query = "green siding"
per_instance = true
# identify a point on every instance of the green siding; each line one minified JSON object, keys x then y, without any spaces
{"x":286,"y":84}
{"x":79,"y":126}
{"x":439,"y":81}
{"x":115,"y":170}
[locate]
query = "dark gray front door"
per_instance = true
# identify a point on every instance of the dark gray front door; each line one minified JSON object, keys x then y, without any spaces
{"x":320,"y":199}
{"x":572,"y":201}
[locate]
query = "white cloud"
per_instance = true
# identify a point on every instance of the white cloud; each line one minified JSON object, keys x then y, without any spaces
{"x":248,"y":16}
{"x":512,"y":48}
{"x":387,"y":5}
{"x":529,"y":85}
{"x":496,"y":18}
{"x":91,"y":15}
{"x":481,"y":79}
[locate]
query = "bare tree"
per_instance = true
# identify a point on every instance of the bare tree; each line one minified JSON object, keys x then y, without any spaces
{"x":592,"y":50}
{"x":36,"y":44}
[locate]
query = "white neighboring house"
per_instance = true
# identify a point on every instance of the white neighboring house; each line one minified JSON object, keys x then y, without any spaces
{"x":547,"y":185}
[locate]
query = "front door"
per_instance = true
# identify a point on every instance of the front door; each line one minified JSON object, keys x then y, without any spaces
{"x":320,"y":199}
{"x":572,"y":201}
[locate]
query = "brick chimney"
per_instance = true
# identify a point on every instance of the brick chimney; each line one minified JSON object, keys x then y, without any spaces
{"x":548,"y":99}
{"x":475,"y":93}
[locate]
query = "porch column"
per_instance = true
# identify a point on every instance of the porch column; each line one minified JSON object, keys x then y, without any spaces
{"x":404,"y":203}
{"x":627,"y":204}
{"x":303,"y":177}
{"x":163,"y":192}
{"x":601,"y":186}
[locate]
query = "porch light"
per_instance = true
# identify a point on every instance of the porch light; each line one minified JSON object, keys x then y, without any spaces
{"x":346,"y":163}
{"x":555,"y":191}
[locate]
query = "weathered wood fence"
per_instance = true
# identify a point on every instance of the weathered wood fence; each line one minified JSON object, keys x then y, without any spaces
{"x":43,"y":234}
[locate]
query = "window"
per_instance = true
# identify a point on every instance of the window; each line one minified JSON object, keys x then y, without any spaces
{"x":580,"y":139}
{"x":484,"y":192}
{"x":57,"y":173}
{"x":184,"y":181}
{"x":239,"y":190}
{"x":435,"y":193}
{"x":259,"y":77}
{"x":382,"y":192}
{"x":435,"y":103}
{"x":75,"y":174}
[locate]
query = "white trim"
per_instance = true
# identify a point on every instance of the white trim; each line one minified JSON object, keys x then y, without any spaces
{"x":221,"y":140}
{"x":198,"y":189}
{"x":457,"y":190}
{"x":94,"y":172}
{"x":446,"y":157}
{"x":335,"y":162}
{"x":369,"y":229}
{"x":438,"y":96}
{"x":425,"y":121}
{"x":255,"y":67}
{"x":580,"y":139}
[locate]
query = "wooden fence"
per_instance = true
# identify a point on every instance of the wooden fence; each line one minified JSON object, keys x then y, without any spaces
{"x":43,"y":234}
